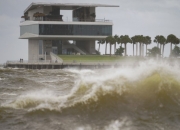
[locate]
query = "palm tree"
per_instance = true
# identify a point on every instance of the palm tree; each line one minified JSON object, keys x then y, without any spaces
{"x":116,"y":38}
{"x":134,"y":42}
{"x":107,"y":41}
{"x":171,"y":39}
{"x":124,"y":40}
{"x":156,"y":39}
{"x":110,"y":40}
{"x":100,"y":42}
{"x":177,"y":41}
{"x":140,"y":39}
{"x":147,"y":41}
{"x":119,"y":41}
{"x":105,"y":47}
{"x":159,"y":39}
{"x":163,"y":42}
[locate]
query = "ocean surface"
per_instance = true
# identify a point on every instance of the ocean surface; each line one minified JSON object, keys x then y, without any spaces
{"x":143,"y":97}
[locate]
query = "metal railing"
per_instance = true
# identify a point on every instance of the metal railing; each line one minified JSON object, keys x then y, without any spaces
{"x":73,"y":20}
{"x":29,"y":62}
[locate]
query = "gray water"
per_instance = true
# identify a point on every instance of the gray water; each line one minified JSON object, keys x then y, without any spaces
{"x":145,"y":97}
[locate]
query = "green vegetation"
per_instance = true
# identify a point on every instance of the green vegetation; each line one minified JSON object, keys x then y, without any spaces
{"x":173,"y":40}
{"x":154,"y":52}
{"x":139,"y":41}
{"x":94,"y":58}
{"x":159,"y":39}
{"x":119,"y":51}
{"x":175,"y":52}
{"x":111,"y":40}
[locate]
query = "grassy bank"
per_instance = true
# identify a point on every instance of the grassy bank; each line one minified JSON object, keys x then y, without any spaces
{"x":94,"y":58}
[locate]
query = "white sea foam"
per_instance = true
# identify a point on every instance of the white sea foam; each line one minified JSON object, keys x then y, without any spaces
{"x":84,"y":128}
{"x":83,"y":71}
{"x":2,"y":79}
{"x":90,"y":84}
{"x":123,"y":124}
{"x":119,"y":125}
{"x":9,"y":94}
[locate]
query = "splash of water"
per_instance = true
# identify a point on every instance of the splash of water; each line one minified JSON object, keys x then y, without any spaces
{"x":156,"y":82}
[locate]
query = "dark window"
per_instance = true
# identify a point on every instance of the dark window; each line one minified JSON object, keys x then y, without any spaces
{"x":92,"y":30}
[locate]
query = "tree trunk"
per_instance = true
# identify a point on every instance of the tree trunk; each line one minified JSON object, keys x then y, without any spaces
{"x":163,"y":51}
{"x":142,"y":50}
{"x":114,"y":48}
{"x":139,"y":49}
{"x":133,"y":49}
{"x":171,"y":48}
{"x":106,"y":49}
{"x":136,"y":49}
{"x":146,"y":49}
{"x":110,"y":48}
{"x":99,"y":47}
{"x":125,"y":49}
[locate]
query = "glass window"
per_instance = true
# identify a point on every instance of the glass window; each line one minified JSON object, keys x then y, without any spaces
{"x":92,"y":30}
{"x":40,"y":47}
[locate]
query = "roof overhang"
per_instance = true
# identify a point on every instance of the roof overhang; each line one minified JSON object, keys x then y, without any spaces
{"x":66,"y":6}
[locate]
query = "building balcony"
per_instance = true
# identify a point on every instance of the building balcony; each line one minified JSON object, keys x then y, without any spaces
{"x":59,"y":18}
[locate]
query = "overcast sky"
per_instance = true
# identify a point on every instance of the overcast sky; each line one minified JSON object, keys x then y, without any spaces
{"x":133,"y":17}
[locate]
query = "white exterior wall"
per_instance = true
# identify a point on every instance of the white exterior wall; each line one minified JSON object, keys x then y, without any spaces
{"x":92,"y":47}
{"x":47,"y":44}
{"x":33,"y":50}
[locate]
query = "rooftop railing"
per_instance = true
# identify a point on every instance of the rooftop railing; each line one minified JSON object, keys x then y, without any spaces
{"x":65,"y":20}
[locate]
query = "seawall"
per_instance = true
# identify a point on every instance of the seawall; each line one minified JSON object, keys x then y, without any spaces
{"x":66,"y":65}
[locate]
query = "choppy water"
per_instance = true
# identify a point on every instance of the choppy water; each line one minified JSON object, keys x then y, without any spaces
{"x":145,"y":97}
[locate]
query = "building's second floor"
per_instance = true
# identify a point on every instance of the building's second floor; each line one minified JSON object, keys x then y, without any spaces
{"x":54,"y":29}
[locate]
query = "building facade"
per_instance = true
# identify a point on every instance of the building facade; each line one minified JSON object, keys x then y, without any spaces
{"x":46,"y":31}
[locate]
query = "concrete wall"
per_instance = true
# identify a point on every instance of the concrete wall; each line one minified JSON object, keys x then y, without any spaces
{"x":91,"y":47}
{"x":47,"y":48}
{"x":33,"y":50}
{"x":29,"y":29}
{"x":86,"y":45}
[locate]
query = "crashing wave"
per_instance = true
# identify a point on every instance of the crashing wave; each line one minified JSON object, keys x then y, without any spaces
{"x":148,"y":85}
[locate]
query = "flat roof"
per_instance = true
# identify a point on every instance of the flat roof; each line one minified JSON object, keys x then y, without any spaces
{"x":65,"y":6}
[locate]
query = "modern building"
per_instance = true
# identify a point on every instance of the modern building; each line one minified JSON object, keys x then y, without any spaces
{"x":46,"y":31}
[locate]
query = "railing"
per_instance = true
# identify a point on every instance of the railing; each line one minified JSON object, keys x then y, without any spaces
{"x":67,"y":20}
{"x":29,"y":62}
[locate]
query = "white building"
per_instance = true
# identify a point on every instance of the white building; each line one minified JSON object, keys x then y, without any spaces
{"x":46,"y":31}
